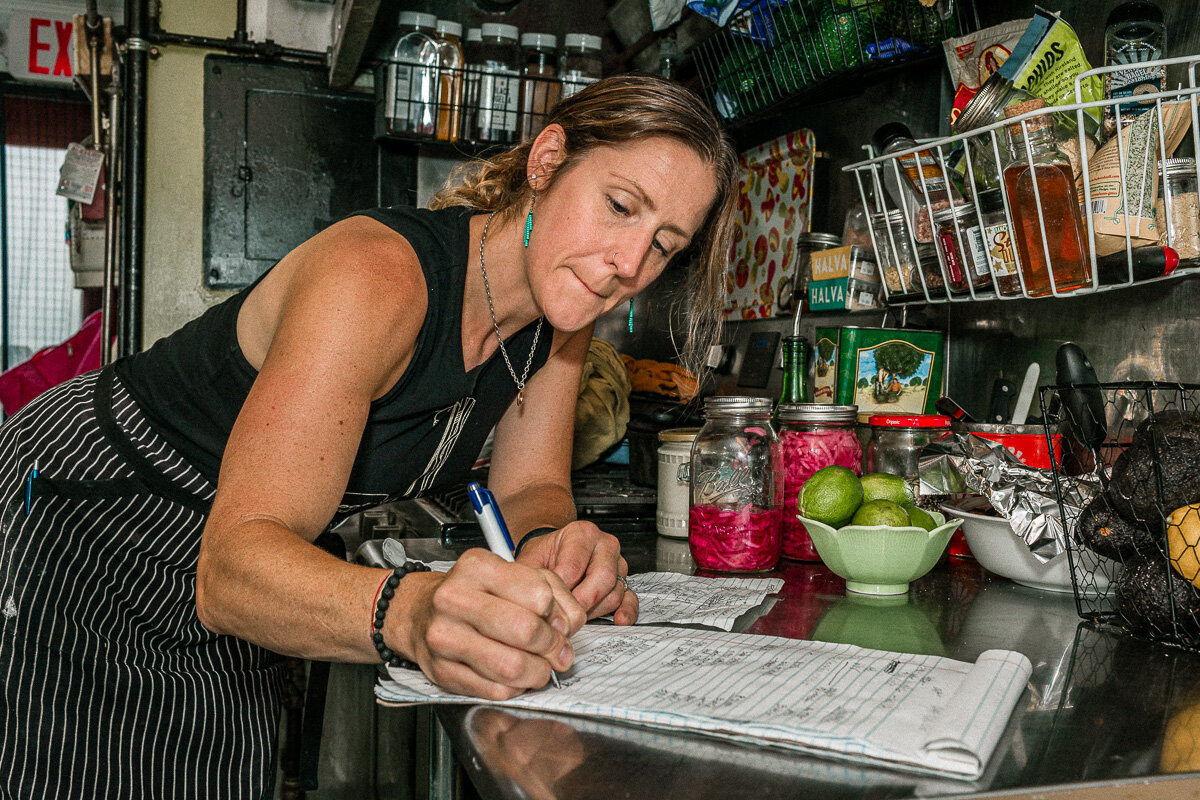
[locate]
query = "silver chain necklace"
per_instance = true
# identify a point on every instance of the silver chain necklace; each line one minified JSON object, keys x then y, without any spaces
{"x":496,"y":325}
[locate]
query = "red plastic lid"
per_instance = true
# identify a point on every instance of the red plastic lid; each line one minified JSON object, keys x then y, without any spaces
{"x":910,"y":420}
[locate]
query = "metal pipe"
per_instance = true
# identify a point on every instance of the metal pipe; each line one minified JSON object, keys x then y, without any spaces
{"x":111,"y":217}
{"x":133,"y":200}
{"x":239,"y":33}
{"x":4,"y":316}
{"x":93,"y":26}
{"x":267,"y":50}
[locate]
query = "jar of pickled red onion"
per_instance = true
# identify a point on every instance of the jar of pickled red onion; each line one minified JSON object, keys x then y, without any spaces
{"x":813,"y":436}
{"x":736,"y":494}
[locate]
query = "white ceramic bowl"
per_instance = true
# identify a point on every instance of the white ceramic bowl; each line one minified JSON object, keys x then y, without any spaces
{"x":1000,"y":550}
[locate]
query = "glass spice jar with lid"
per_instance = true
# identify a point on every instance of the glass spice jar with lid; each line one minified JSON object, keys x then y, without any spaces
{"x":806,"y":244}
{"x":813,"y":436}
{"x":930,"y":268}
{"x":897,"y":440}
{"x":995,"y":242}
{"x":736,"y":495}
{"x":894,"y":252}
{"x":963,"y":255}
{"x":1177,"y":210}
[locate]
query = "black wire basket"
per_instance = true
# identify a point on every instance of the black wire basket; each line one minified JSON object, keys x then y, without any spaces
{"x":776,"y":50}
{"x":1127,"y":477}
{"x":470,"y":105}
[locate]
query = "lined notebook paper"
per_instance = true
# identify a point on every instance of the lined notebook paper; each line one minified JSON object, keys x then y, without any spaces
{"x":919,"y":713}
{"x":694,"y":600}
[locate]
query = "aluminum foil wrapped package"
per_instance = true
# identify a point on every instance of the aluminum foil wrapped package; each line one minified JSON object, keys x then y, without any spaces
{"x":1023,"y":495}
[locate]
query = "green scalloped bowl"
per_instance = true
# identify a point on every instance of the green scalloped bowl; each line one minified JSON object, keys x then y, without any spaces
{"x":880,"y":559}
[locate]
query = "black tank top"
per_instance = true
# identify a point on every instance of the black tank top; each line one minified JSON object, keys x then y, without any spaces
{"x":424,"y":434}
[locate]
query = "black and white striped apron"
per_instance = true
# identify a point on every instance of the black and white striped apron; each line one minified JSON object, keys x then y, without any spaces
{"x":109,"y":684}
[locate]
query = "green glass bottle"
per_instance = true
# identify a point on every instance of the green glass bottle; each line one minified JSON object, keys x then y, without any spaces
{"x":795,"y":370}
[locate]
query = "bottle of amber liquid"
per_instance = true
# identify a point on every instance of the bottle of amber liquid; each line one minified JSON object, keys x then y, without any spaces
{"x":1034,"y":159}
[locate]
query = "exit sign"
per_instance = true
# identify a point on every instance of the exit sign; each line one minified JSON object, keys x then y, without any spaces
{"x":39,"y":47}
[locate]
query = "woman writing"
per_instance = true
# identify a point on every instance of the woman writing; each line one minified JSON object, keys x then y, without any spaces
{"x":164,"y":557}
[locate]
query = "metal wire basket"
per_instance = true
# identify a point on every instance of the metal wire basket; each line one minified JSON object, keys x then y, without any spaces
{"x":997,"y":243}
{"x":471,"y":105}
{"x":775,"y":50}
{"x":1128,"y":486}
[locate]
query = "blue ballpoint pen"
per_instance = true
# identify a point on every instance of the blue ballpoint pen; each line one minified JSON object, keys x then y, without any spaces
{"x":495,"y":532}
{"x":33,"y":473}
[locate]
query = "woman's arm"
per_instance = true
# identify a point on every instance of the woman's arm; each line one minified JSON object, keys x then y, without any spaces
{"x":350,"y":304}
{"x":531,"y":478}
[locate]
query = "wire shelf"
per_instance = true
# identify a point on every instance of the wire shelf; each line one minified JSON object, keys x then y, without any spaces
{"x":920,"y":262}
{"x":776,"y":51}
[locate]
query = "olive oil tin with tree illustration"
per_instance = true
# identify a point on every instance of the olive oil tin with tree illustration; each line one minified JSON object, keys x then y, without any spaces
{"x":884,"y":370}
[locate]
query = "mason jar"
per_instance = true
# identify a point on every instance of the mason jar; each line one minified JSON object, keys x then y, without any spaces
{"x":813,"y":436}
{"x":736,"y":493}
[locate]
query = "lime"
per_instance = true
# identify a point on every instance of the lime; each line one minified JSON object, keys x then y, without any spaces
{"x":831,"y":495}
{"x":919,"y":517}
{"x":882,"y":486}
{"x":880,"y":512}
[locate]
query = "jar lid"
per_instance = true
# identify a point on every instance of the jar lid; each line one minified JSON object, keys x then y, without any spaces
{"x":449,"y":27}
{"x":1179,"y":166}
{"x":864,"y":417}
{"x":910,"y":421}
{"x":417,"y":19}
{"x":539,"y":40}
{"x":953,"y":212}
{"x":816,"y":412}
{"x":984,"y":107}
{"x":474,"y":35}
{"x":891,"y":215}
{"x":498,"y":30}
{"x":732,"y":403}
{"x":678,"y":434}
{"x":824,"y":240}
{"x":1032,"y":124}
{"x":581,"y":41}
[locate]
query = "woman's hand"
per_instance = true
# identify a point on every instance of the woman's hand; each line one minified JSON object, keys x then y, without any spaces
{"x":589,"y":562}
{"x":487,"y":628}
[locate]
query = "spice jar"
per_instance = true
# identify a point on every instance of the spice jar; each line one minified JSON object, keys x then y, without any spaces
{"x":995,"y":242}
{"x":1176,"y":209}
{"x":813,"y":436}
{"x":499,"y":70}
{"x":734,"y":520}
{"x":540,"y":88}
{"x":806,"y":245}
{"x":674,"y":459}
{"x":962,"y":256}
{"x":930,"y":269}
{"x":894,"y":252}
{"x":581,"y":63}
{"x":897,"y":439}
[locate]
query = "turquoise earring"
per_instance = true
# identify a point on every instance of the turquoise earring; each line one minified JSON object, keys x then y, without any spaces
{"x":529,"y":221}
{"x":631,"y":315}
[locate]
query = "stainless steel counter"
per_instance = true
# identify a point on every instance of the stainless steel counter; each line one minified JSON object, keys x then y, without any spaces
{"x":1100,"y":708}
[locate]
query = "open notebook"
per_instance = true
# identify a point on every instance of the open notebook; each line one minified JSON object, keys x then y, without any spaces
{"x":912,"y":712}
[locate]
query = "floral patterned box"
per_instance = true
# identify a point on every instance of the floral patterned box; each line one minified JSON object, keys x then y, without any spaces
{"x":773,"y":206}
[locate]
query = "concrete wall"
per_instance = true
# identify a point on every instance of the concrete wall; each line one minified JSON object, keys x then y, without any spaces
{"x":174,"y":292}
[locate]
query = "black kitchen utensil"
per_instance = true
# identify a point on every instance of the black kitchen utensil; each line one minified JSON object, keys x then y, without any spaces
{"x":1003,"y":390}
{"x":1081,"y":398}
{"x":957,"y":414}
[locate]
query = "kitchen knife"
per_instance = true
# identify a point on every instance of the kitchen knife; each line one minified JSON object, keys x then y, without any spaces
{"x":1025,"y":395}
{"x":957,"y":414}
{"x":1082,"y":399}
{"x":1002,"y":391}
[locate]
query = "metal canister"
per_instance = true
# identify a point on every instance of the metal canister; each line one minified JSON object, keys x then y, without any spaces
{"x":674,"y":457}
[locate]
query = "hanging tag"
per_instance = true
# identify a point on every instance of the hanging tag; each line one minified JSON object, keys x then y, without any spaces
{"x":80,"y":173}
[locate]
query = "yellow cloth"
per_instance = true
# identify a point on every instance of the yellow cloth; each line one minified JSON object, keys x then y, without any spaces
{"x":602,"y":411}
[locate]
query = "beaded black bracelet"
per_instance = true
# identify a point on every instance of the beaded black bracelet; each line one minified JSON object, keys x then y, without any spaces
{"x":533,"y":534}
{"x":386,"y":592}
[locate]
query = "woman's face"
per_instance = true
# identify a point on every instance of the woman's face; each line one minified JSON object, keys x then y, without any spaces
{"x":609,"y":224}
